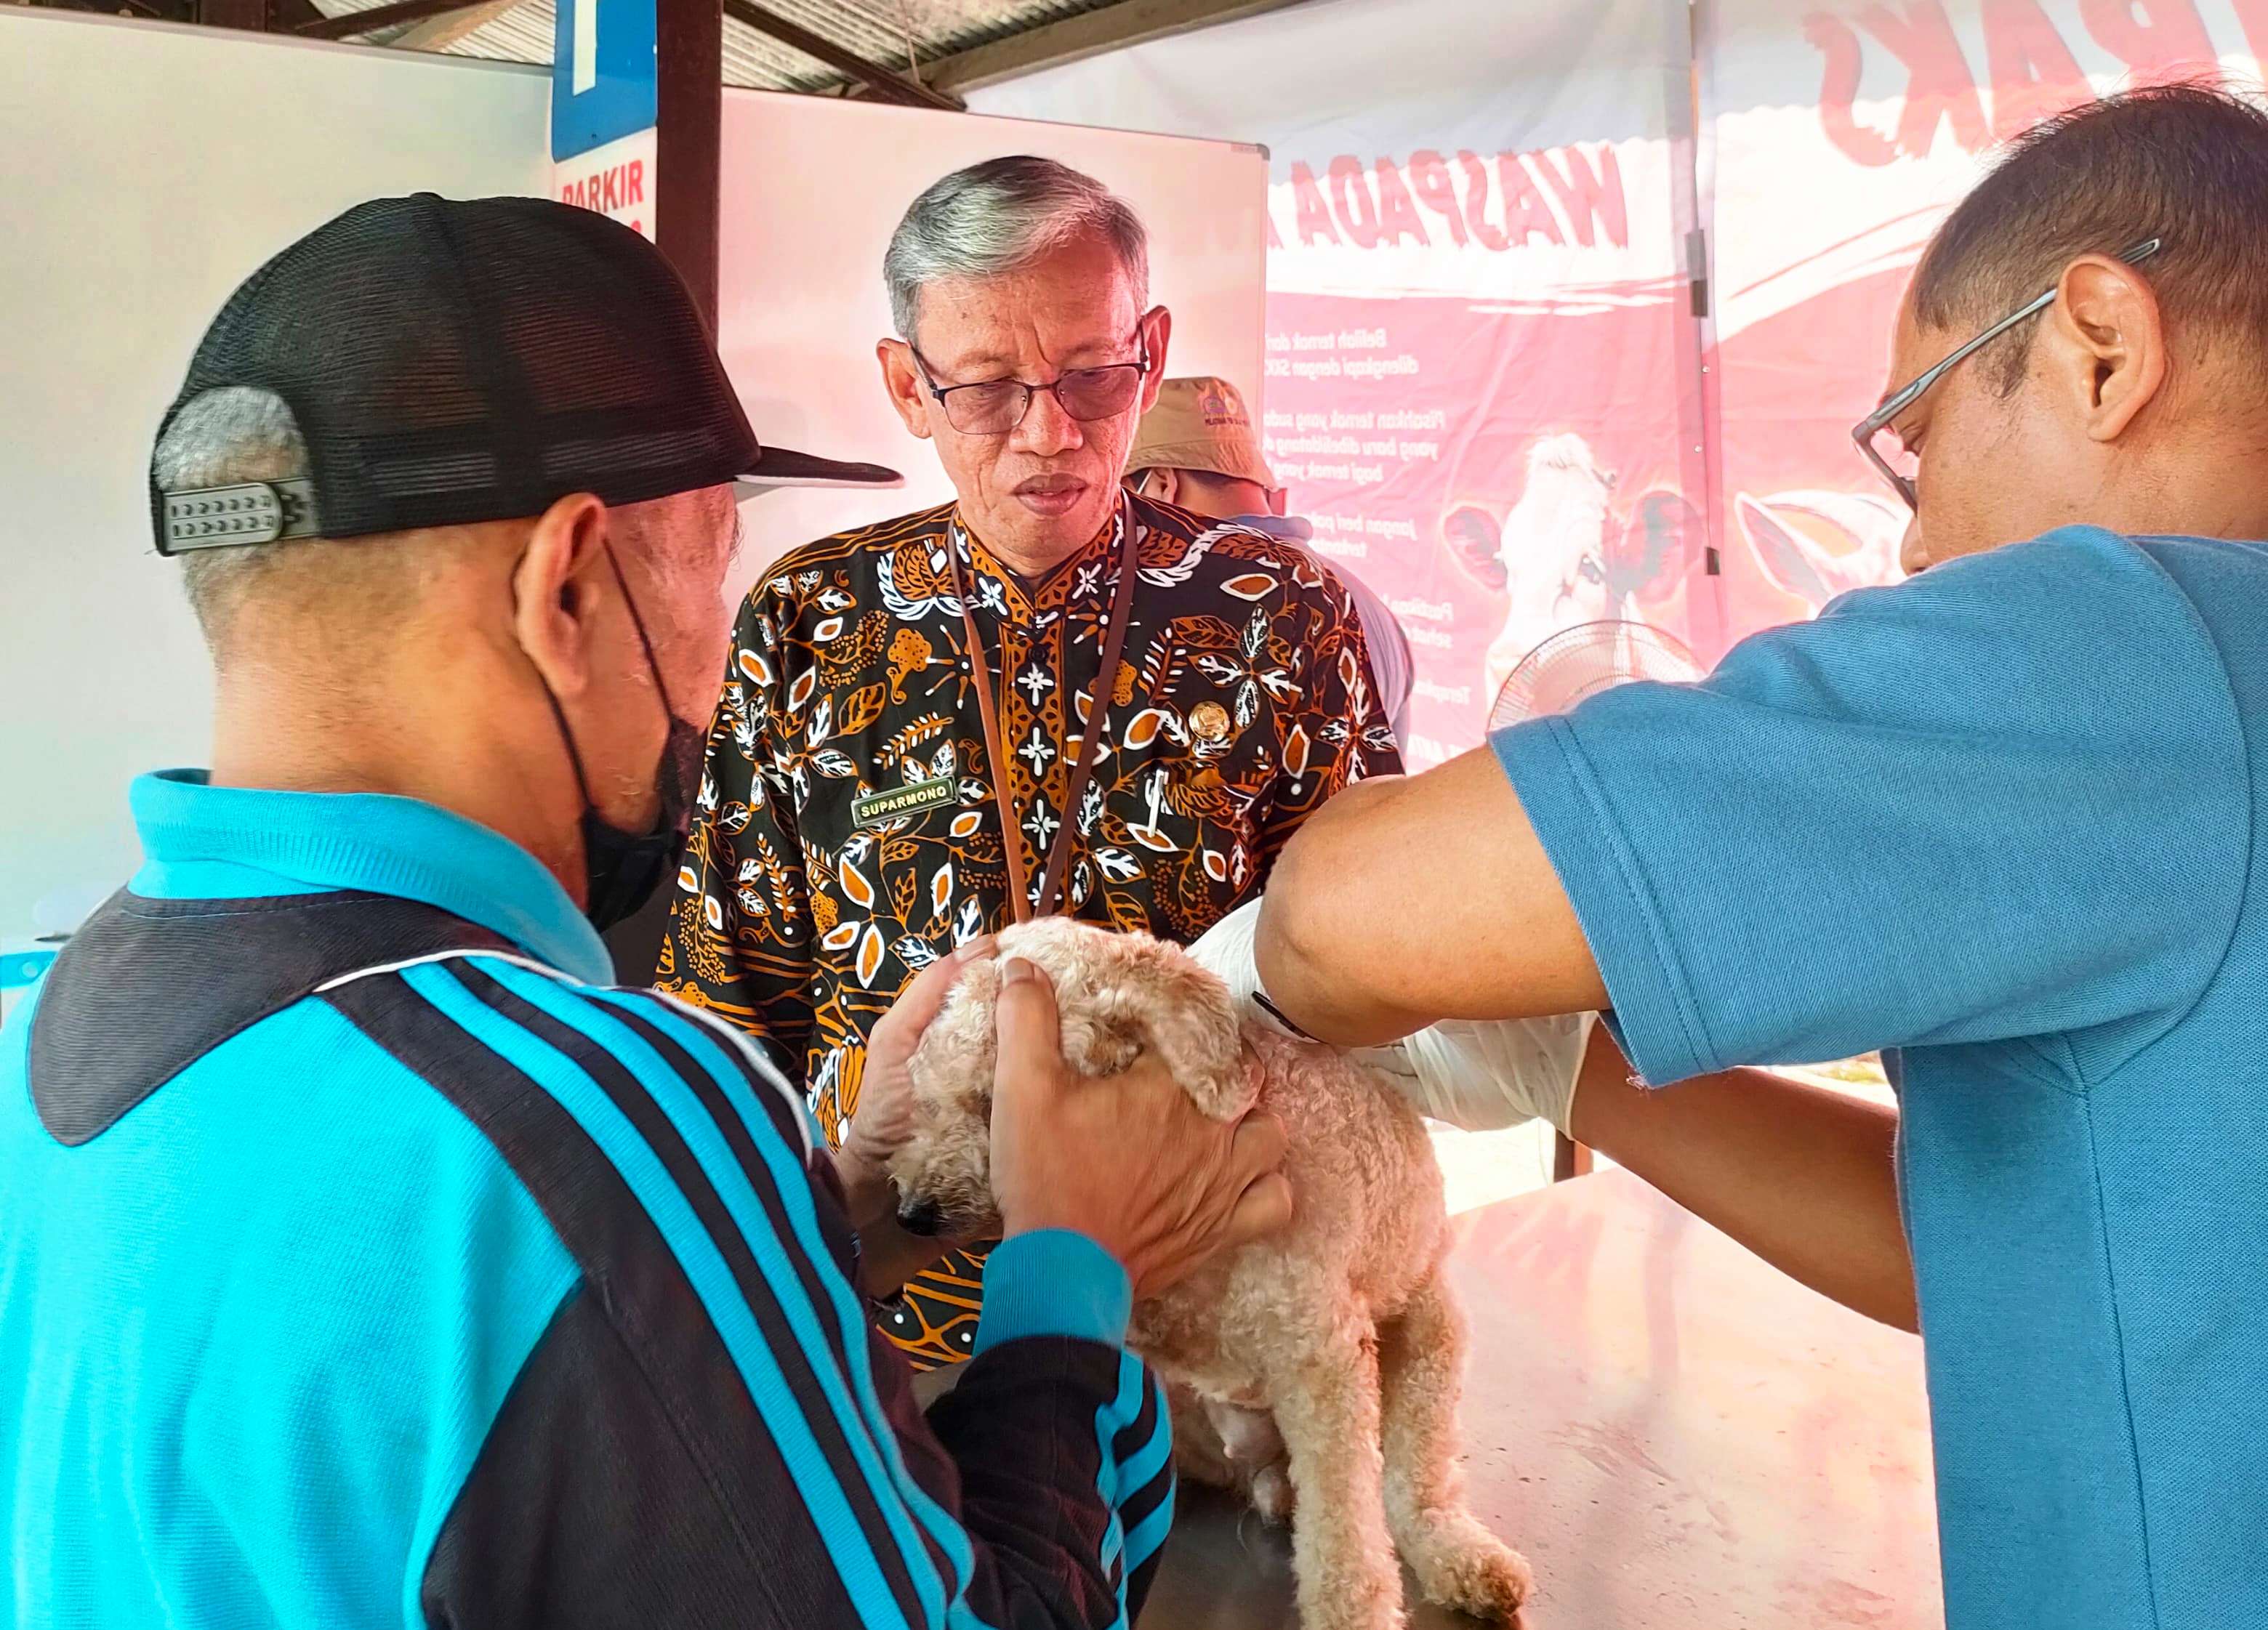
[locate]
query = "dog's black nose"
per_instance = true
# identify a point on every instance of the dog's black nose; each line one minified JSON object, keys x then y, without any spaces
{"x":922,"y":1217}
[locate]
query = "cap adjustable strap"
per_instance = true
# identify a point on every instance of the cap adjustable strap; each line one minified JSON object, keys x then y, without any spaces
{"x":214,"y":517}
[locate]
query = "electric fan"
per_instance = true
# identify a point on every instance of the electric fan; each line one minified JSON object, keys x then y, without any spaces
{"x":1582,"y":661}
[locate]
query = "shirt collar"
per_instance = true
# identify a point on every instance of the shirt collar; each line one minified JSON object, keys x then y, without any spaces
{"x":375,"y":842}
{"x":1088,"y":571}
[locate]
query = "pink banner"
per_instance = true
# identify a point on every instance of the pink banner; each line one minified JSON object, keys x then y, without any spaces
{"x":1495,"y":475}
{"x":1492,"y":381}
{"x":1839,"y":135}
{"x":1482,"y":379}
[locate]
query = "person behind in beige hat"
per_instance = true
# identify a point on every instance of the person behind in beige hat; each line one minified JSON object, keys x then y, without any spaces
{"x":1196,"y":449}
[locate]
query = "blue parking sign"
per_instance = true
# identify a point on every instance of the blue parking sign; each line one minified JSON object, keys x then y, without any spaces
{"x":603,"y":74}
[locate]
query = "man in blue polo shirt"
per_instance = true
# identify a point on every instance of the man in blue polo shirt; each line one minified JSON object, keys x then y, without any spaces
{"x":365,"y":1261}
{"x":2003,"y":820}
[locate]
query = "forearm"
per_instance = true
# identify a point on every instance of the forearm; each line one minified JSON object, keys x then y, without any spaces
{"x":1802,"y":1176}
{"x":1330,"y":1002}
{"x":1308,"y":948}
{"x":1003,"y":1496}
{"x":1034,"y":1431}
{"x":1056,"y":1431}
{"x":887,"y":1255}
{"x":1407,"y":900}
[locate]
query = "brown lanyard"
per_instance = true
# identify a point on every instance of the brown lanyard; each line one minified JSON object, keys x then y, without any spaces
{"x":1121,"y":602}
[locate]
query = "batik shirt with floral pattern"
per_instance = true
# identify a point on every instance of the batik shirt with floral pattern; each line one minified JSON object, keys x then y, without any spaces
{"x":848,"y":835}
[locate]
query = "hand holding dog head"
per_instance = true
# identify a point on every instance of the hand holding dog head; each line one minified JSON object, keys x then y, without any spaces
{"x":883,"y":1119}
{"x":1129,"y":1160}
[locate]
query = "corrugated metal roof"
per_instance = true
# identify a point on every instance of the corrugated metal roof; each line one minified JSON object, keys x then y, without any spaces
{"x":886,"y":33}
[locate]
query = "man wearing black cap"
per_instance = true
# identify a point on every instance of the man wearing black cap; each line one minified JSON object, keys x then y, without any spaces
{"x":364,"y":1259}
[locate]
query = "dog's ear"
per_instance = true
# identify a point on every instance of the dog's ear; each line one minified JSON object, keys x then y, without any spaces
{"x":1190,"y":1023}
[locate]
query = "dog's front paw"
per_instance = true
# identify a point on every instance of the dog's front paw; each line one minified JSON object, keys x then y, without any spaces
{"x":1373,"y":1601}
{"x":1460,"y":1564}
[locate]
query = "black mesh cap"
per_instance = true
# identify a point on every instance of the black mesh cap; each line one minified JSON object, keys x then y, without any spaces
{"x":457,"y":361}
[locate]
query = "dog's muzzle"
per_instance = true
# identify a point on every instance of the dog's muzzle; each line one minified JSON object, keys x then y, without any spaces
{"x":922,"y":1218}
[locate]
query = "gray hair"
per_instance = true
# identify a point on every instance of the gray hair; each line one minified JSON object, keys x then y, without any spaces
{"x":223,"y":437}
{"x":999,"y":216}
{"x":234,"y":434}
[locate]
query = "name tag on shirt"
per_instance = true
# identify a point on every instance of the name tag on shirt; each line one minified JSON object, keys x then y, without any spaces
{"x":878,"y":809}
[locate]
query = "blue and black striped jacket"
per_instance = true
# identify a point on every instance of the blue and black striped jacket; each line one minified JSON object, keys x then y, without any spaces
{"x":365,"y":1261}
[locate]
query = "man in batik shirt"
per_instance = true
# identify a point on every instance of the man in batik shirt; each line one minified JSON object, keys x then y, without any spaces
{"x":851,"y":820}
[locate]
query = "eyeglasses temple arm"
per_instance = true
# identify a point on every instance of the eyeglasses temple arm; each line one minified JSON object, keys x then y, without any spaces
{"x":1893,"y":405}
{"x":1906,"y":397}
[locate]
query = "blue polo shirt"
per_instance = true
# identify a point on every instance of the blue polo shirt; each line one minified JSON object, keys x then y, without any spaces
{"x":366,"y":1263}
{"x":2000,"y":821}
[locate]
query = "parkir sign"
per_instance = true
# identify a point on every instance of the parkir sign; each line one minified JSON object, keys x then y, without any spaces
{"x":615,"y":180}
{"x":603,"y":105}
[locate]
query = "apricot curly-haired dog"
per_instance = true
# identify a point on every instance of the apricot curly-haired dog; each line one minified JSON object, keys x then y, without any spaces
{"x":1335,"y":1345}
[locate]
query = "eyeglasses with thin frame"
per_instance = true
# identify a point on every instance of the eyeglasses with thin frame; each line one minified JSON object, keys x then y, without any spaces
{"x":995,"y":407}
{"x":1869,"y":431}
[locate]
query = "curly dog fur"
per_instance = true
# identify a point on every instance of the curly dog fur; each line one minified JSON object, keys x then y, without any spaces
{"x":1324,"y":1362}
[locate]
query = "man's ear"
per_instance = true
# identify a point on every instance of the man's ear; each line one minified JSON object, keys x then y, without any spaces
{"x":2108,"y":342}
{"x":903,"y":382}
{"x":1159,"y":482}
{"x":1158,"y":329}
{"x":555,"y":591}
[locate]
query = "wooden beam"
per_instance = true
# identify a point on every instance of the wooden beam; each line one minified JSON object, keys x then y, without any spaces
{"x":1089,"y":34}
{"x":690,"y":115}
{"x":689,"y":51}
{"x":347,"y":24}
{"x":438,"y":34}
{"x":115,"y":8}
{"x":246,"y":14}
{"x":882,"y":83}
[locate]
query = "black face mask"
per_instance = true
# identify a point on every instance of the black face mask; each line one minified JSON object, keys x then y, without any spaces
{"x":622,"y":870}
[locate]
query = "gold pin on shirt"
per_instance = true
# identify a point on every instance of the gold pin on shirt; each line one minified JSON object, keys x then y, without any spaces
{"x":1209,"y":721}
